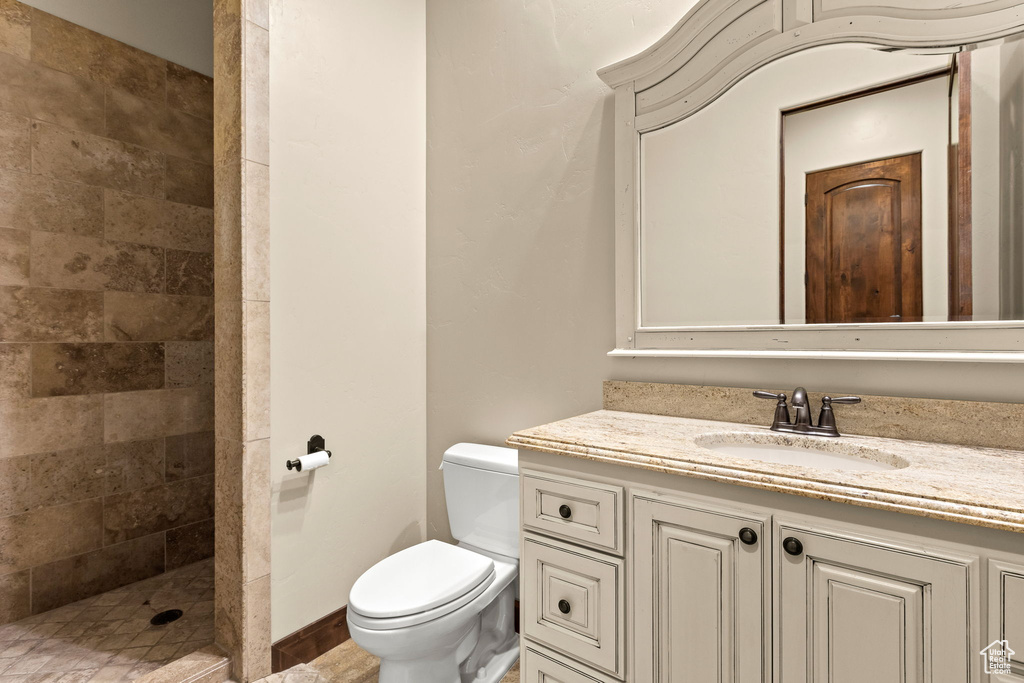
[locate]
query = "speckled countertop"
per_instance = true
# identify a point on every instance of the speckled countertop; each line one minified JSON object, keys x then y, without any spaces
{"x":980,"y":486}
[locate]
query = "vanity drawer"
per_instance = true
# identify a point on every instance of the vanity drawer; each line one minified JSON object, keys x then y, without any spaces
{"x":574,"y":602}
{"x":580,"y":511}
{"x":539,"y":666}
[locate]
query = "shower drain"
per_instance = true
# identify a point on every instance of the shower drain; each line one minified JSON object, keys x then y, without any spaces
{"x":166,"y":617}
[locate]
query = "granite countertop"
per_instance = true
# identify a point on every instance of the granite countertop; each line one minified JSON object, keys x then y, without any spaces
{"x":980,"y":486}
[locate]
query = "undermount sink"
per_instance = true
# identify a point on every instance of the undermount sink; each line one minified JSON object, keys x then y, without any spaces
{"x":801,"y":451}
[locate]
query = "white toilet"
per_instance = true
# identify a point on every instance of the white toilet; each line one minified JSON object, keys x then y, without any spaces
{"x":443,"y":613}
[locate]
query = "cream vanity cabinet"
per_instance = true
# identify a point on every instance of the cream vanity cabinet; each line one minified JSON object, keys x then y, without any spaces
{"x":625,"y":579}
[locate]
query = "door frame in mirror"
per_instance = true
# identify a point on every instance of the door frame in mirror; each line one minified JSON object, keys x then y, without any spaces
{"x":714,"y":46}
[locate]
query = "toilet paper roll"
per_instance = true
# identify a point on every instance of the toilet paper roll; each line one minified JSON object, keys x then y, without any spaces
{"x":313,"y":460}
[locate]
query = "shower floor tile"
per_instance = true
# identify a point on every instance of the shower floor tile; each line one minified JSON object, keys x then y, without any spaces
{"x":108,"y":638}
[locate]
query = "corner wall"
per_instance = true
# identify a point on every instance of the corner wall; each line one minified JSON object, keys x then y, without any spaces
{"x":347,"y":244}
{"x":520,"y":233}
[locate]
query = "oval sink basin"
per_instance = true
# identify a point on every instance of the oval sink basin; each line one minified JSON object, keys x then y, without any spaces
{"x":801,"y":451}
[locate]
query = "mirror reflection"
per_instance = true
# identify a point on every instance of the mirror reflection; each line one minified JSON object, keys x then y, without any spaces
{"x":842,"y":184}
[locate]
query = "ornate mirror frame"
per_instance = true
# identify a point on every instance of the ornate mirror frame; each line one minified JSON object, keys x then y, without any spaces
{"x":714,"y":46}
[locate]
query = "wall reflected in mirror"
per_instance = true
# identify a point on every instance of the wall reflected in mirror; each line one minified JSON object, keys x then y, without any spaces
{"x":842,"y":184}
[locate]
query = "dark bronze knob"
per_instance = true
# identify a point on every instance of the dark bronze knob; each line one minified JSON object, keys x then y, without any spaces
{"x":563,"y":606}
{"x":565,"y":511}
{"x":793,"y":546}
{"x":748,"y":536}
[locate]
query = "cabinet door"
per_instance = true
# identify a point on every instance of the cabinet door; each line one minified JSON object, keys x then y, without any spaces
{"x":700,"y":594}
{"x":851,"y":610}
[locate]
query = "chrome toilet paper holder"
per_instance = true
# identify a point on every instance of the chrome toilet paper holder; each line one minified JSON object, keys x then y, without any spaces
{"x":315,"y":444}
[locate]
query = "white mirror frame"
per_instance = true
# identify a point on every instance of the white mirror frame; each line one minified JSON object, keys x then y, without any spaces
{"x":714,"y":46}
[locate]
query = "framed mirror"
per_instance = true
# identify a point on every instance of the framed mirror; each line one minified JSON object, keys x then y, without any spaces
{"x":824,"y":178}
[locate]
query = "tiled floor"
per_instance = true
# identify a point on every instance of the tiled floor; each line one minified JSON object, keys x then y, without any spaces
{"x":108,"y":638}
{"x":347,"y":663}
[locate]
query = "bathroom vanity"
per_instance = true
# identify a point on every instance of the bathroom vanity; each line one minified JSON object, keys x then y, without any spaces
{"x":651,"y":553}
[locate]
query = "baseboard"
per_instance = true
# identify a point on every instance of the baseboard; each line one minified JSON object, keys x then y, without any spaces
{"x":310,"y":642}
{"x":321,"y":636}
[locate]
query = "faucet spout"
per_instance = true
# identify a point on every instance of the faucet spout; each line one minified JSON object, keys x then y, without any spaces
{"x":802,"y":408}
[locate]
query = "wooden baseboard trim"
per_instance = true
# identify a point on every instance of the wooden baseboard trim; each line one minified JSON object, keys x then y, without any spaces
{"x":310,"y":642}
{"x":321,"y":636}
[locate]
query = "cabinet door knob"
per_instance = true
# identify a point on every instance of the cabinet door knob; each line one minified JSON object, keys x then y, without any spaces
{"x":748,"y":536}
{"x":563,"y":606}
{"x":565,"y":511}
{"x":793,"y":546}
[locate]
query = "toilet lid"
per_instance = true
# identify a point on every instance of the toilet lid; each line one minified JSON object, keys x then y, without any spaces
{"x":417,"y":579}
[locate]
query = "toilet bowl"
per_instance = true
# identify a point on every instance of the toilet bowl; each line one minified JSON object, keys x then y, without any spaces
{"x":444,"y":613}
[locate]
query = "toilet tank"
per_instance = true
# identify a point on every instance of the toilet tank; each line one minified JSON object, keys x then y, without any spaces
{"x":481,"y":487}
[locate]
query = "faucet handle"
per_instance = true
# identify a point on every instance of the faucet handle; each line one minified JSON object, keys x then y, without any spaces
{"x":781,"y":408}
{"x":849,"y":400}
{"x":770,"y":395}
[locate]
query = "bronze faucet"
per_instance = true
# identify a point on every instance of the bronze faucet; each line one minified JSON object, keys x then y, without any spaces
{"x":802,"y":423}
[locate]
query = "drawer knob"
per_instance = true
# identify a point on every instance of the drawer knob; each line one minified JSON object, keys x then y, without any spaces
{"x":793,"y":546}
{"x":565,"y":511}
{"x":563,"y":606}
{"x":748,"y":536}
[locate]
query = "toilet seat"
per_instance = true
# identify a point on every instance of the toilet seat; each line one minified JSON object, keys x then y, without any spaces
{"x":419,"y":584}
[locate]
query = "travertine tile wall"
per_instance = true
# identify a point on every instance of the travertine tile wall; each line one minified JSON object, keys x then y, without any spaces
{"x":242,"y":292}
{"x":106,"y":313}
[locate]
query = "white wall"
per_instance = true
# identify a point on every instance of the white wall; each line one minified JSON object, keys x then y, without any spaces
{"x":177,"y":30}
{"x":520,"y":232}
{"x":907,"y":120}
{"x":348,"y":299}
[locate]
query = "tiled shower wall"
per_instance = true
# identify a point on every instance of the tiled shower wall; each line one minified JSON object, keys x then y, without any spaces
{"x":106,"y":313}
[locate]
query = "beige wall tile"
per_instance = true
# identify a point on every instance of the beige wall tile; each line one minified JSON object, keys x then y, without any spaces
{"x":39,"y":425}
{"x":189,"y":182}
{"x":190,"y":91}
{"x":190,"y":455}
{"x":131,"y":218}
{"x":133,"y":465}
{"x":257,"y":232}
{"x":14,"y":256}
{"x":15,"y":371}
{"x":70,"y":369}
{"x":70,"y":48}
{"x":188,"y":364}
{"x":157,"y":126}
{"x":14,"y":591}
{"x":35,"y":314}
{"x":257,"y":642}
{"x":156,"y":317}
{"x":83,"y":158}
{"x":15,"y":142}
{"x":31,"y":202}
{"x":59,"y":583}
{"x":229,"y":243}
{"x":257,"y":370}
{"x":256,"y":516}
{"x":33,"y":90}
{"x":76,"y":262}
{"x":147,"y":511}
{"x":189,"y":272}
{"x":227,"y":80}
{"x":138,"y":415}
{"x":67,"y":476}
{"x":258,"y":12}
{"x":15,"y":486}
{"x":256,"y":122}
{"x":15,"y":36}
{"x":188,"y":544}
{"x":229,"y":494}
{"x":229,"y":371}
{"x":49,"y":534}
